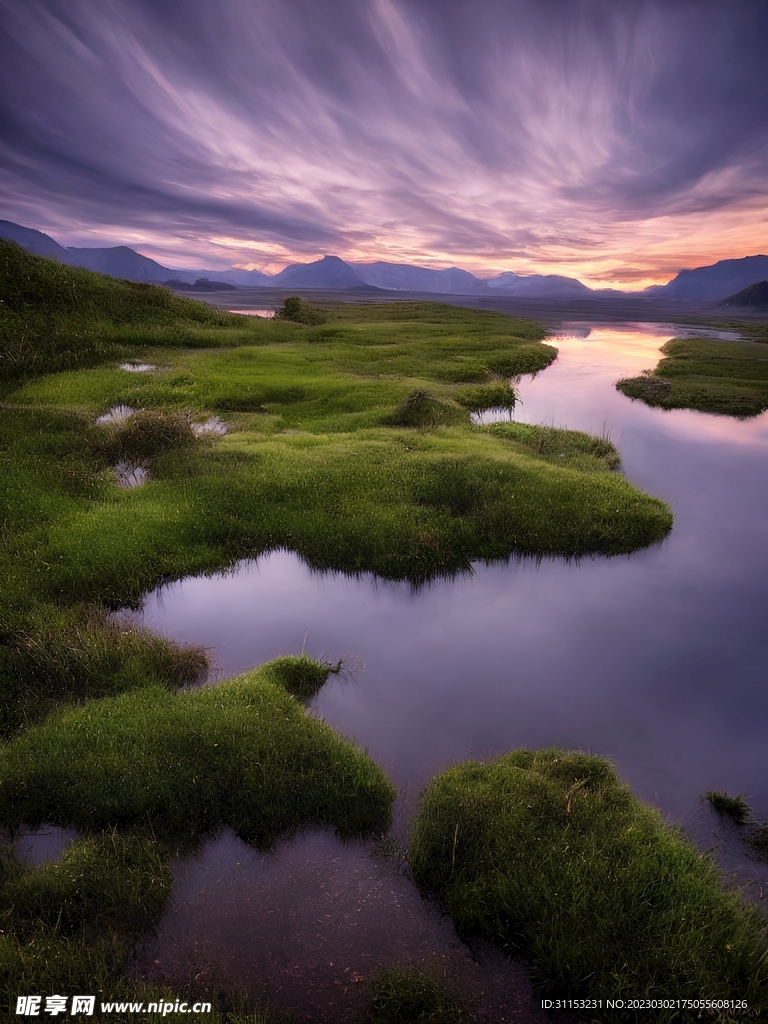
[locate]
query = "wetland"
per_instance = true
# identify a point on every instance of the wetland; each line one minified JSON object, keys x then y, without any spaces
{"x":508,"y":581}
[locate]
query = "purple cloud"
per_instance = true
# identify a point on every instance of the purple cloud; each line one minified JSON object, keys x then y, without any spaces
{"x":612,"y":139}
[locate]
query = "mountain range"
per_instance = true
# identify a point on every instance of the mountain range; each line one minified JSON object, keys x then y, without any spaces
{"x":703,"y":284}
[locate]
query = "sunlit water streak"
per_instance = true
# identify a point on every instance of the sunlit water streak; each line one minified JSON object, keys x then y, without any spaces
{"x":657,"y":660}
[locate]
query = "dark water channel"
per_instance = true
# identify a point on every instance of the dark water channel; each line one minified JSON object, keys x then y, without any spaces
{"x":658,"y":661}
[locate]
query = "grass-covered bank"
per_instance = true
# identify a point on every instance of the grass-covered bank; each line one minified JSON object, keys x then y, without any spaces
{"x":243,"y":754}
{"x":729,"y":377}
{"x":141,"y":776}
{"x":548,"y":853}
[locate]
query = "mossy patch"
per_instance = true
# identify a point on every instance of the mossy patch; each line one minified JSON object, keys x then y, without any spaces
{"x":548,"y":853}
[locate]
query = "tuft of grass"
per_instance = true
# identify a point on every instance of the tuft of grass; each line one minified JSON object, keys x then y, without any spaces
{"x":242,"y":754}
{"x":422,"y":409}
{"x":302,"y":676}
{"x":407,"y":995}
{"x":734,"y":807}
{"x":728,"y":377}
{"x":548,"y":853}
{"x":753,"y":833}
{"x":144,"y":436}
{"x":294,"y":308}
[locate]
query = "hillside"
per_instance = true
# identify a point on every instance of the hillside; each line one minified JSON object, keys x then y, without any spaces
{"x":54,"y":317}
{"x":713,"y":283}
{"x":756,"y":296}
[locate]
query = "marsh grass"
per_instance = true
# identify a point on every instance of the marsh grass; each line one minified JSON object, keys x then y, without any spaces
{"x":549,"y":854}
{"x":729,"y":377}
{"x":54,"y":317}
{"x":50,"y":656}
{"x":571,"y":448}
{"x":734,"y":807}
{"x":143,"y":776}
{"x":72,"y":925}
{"x":409,"y":995}
{"x":752,"y":832}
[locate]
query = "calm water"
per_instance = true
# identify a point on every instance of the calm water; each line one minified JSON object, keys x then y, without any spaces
{"x":658,"y":660}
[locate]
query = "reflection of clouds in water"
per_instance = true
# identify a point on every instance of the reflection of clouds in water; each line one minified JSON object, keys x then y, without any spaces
{"x":44,"y":844}
{"x":577,"y":391}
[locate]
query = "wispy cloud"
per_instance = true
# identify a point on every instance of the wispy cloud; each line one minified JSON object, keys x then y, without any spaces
{"x":616,"y":142}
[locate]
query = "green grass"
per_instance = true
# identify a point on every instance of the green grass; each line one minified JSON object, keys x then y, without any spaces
{"x":548,"y":853}
{"x":243,"y":754}
{"x":729,"y":377}
{"x":734,"y":807}
{"x":54,"y":317}
{"x":406,"y":995}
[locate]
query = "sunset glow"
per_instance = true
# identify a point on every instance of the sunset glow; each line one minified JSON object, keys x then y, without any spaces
{"x":616,"y":143}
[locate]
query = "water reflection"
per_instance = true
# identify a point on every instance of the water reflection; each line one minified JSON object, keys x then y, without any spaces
{"x":494,"y":414}
{"x":304,"y":927}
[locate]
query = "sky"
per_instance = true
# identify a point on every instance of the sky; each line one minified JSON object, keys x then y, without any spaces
{"x":616,"y":141}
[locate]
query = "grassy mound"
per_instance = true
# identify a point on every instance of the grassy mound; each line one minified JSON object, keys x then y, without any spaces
{"x":294,"y":308}
{"x":243,"y":754}
{"x":729,"y":377}
{"x":422,"y":409}
{"x":549,"y":853}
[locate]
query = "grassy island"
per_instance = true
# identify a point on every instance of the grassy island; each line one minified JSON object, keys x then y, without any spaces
{"x":729,"y":377}
{"x":548,"y":853}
